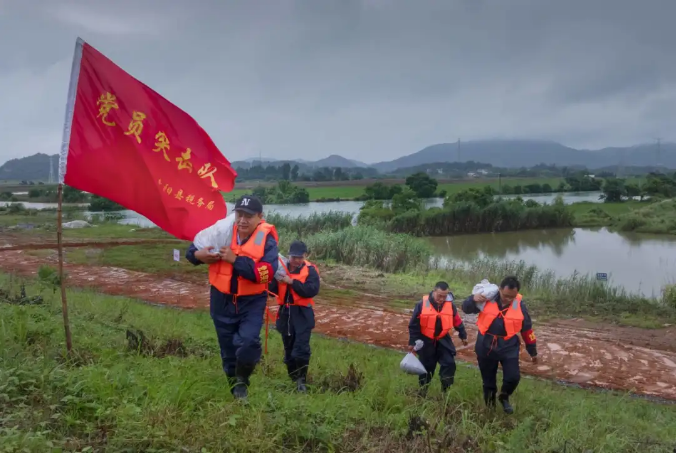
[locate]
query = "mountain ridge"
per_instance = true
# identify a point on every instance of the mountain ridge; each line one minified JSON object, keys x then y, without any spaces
{"x":499,"y":153}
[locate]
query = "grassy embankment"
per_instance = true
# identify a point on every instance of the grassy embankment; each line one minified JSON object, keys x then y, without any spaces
{"x":170,"y":395}
{"x":404,"y":263}
{"x":658,"y":217}
{"x":352,"y":191}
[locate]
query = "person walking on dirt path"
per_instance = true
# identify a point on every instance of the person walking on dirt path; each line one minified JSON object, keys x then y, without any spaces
{"x":239,"y":275}
{"x":296,"y":317}
{"x":432,"y":321}
{"x":497,"y":342}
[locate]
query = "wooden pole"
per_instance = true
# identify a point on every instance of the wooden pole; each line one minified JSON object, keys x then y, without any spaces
{"x":59,"y":240}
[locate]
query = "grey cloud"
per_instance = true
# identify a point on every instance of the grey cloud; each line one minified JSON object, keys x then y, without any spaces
{"x":368,"y":79}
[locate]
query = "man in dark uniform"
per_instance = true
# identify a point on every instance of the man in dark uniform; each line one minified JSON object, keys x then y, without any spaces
{"x":239,"y":274}
{"x":433,"y":320}
{"x":497,"y":341}
{"x":296,"y":318}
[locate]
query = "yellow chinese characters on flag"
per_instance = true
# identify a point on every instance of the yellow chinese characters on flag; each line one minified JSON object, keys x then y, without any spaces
{"x":131,"y":145}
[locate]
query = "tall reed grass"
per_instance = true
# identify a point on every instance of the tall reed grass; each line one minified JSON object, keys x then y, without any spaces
{"x":314,"y":223}
{"x":468,"y":217}
{"x":367,"y":246}
{"x":577,"y":294}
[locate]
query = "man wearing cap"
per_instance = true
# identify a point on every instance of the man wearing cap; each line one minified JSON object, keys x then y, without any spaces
{"x":296,"y":318}
{"x":239,"y":275}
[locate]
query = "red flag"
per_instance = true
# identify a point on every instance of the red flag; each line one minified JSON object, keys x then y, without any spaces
{"x":125,"y":142}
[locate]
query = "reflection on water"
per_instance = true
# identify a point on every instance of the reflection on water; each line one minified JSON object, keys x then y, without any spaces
{"x":639,"y":262}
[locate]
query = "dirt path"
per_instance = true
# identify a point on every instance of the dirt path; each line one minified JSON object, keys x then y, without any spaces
{"x":613,"y":358}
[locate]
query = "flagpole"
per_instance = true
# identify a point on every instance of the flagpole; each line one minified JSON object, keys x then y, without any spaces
{"x":63,"y":160}
{"x":64,"y":300}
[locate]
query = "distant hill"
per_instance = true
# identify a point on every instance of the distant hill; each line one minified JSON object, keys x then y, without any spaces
{"x":497,"y":153}
{"x":527,"y":153}
{"x":32,"y":168}
{"x":335,"y":160}
{"x":332,"y":161}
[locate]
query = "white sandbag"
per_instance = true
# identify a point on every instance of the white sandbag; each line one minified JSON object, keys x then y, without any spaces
{"x":281,"y":268}
{"x":410,"y":364}
{"x":487,"y":289}
{"x":220,"y":235}
{"x":217,"y":235}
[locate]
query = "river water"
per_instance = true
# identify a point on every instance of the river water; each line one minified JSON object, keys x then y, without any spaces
{"x":638,"y":262}
{"x":641,"y":263}
{"x":305,"y":209}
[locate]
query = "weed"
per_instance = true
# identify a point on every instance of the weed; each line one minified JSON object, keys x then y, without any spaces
{"x":112,"y":401}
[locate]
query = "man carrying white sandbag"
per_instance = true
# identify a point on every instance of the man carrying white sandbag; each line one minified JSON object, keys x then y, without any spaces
{"x":240,"y":273}
{"x":296,"y":317}
{"x":433,"y":320}
{"x":497,"y":343}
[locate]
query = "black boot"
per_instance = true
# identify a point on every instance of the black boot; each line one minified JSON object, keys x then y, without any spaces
{"x":301,"y":375}
{"x":504,"y":400}
{"x":424,"y":380}
{"x":291,"y":368}
{"x":489,"y":397}
{"x":242,"y":374}
{"x":446,"y":384}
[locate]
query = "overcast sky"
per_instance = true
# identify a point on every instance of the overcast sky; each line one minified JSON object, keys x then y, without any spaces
{"x":368,"y":79}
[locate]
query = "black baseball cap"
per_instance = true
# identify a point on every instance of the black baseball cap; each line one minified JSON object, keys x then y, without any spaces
{"x":249,"y":204}
{"x":297,"y":248}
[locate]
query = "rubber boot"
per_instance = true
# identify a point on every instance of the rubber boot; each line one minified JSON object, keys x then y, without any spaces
{"x":291,"y":368}
{"x":446,"y":384}
{"x":424,"y":380}
{"x":301,"y":375}
{"x":242,"y":373}
{"x":489,"y":397}
{"x":504,"y":400}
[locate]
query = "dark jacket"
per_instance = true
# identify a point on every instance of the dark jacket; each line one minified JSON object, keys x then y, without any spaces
{"x":243,"y":267}
{"x":414,"y":332}
{"x":495,"y":345}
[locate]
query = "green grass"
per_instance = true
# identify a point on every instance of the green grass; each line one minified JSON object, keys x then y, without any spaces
{"x":657,"y":217}
{"x":109,"y":398}
{"x":459,"y":186}
{"x":352,"y":191}
{"x":151,"y":258}
{"x":600,"y":214}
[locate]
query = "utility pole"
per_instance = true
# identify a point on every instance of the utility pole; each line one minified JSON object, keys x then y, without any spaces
{"x":659,"y":153}
{"x":621,"y":163}
{"x":51,"y":170}
{"x":458,"y":150}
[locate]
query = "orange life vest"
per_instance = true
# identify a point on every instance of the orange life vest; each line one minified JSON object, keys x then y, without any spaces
{"x":301,"y":277}
{"x":512,"y":315}
{"x":220,"y":273}
{"x":429,"y":315}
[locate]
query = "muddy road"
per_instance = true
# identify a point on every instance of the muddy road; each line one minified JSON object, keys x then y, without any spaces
{"x":574,"y":351}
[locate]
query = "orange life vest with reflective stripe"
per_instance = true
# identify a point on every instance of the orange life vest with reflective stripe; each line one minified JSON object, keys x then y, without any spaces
{"x":513,"y":317}
{"x":429,"y":315}
{"x":301,"y":277}
{"x":220,"y":273}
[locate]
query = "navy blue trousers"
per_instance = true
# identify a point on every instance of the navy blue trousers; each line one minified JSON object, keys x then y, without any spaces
{"x":238,"y":328}
{"x":295,"y":324}
{"x":432,"y":354}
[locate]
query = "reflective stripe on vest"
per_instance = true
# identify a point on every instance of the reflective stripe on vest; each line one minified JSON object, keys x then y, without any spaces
{"x":220,"y":273}
{"x":512,"y":316}
{"x":301,"y":277}
{"x":429,"y":315}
